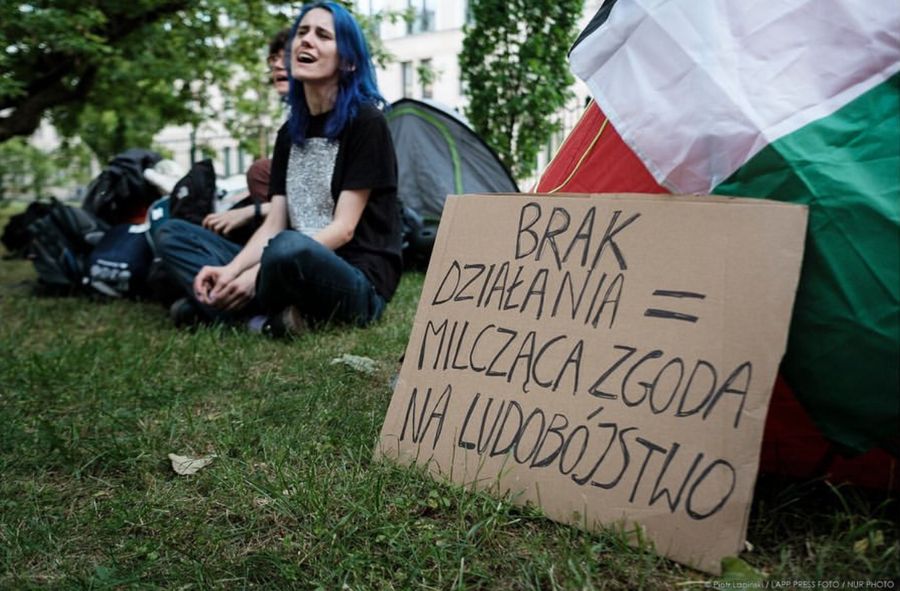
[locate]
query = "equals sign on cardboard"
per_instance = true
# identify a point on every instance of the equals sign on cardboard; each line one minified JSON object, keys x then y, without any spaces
{"x":671,"y":314}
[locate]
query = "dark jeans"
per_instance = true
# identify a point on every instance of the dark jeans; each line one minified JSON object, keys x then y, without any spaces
{"x":295,"y":270}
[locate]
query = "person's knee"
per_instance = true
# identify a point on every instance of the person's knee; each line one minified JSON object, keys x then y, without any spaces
{"x":166,"y":234}
{"x":286,"y":248}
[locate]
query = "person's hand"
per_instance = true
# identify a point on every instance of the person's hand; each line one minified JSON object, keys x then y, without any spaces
{"x":208,"y":280}
{"x":226,"y":221}
{"x":236,"y":292}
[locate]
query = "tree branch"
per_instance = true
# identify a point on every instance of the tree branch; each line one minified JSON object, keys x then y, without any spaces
{"x":49,"y":87}
{"x":26,"y":116}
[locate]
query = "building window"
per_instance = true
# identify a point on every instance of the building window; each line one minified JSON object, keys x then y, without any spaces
{"x":406,"y":78}
{"x":423,"y":16}
{"x":426,"y":77}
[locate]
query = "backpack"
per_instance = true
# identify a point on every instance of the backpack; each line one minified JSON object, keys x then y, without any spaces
{"x":120,"y":263}
{"x":15,"y":235}
{"x":418,"y":239}
{"x":120,"y":193}
{"x":60,"y":243}
{"x":193,"y":197}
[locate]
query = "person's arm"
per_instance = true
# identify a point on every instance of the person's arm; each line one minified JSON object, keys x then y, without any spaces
{"x":277,"y":215}
{"x":368,"y":165}
{"x":275,"y":222}
{"x":347,"y":212}
{"x":227,"y":221}
{"x":231,"y":286}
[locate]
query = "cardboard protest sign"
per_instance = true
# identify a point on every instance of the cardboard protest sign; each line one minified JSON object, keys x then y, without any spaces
{"x":609,"y":358}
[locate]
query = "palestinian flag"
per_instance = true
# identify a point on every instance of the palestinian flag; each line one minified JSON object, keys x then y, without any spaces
{"x":793,"y":100}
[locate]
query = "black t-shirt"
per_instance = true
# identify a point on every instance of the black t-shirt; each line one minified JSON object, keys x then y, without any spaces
{"x":365,"y":160}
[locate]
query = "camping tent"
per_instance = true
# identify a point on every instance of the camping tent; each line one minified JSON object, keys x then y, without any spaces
{"x":730,"y":99}
{"x":594,"y":159}
{"x":438,"y":154}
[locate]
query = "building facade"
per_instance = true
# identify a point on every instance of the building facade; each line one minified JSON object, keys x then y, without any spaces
{"x":431,"y":42}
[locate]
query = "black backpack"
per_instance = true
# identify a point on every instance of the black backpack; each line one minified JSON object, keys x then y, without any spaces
{"x":16,"y":236}
{"x":418,"y":239}
{"x":193,"y":197}
{"x":60,"y":244}
{"x":121,"y":193}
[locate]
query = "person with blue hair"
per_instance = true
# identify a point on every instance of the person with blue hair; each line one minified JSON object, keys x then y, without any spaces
{"x":330,"y":247}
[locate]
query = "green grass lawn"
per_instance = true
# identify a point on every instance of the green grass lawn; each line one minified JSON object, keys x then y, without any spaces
{"x":95,"y":394}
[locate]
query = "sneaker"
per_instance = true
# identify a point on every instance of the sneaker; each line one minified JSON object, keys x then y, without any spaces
{"x":257,"y":323}
{"x":286,"y":324}
{"x":184,"y":312}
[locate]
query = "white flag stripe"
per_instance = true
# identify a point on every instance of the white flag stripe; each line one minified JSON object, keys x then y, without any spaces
{"x":697,"y":87}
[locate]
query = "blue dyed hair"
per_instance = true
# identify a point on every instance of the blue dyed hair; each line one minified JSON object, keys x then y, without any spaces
{"x":356,"y":81}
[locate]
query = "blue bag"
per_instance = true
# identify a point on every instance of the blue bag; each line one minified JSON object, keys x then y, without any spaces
{"x":119,"y":264}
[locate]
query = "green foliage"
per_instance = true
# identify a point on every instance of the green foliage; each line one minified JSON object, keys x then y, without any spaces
{"x":114,"y":72}
{"x":23,"y":169}
{"x":513,"y":63}
{"x":28,"y":172}
{"x":251,"y":109}
{"x":427,"y":73}
{"x":96,"y":394}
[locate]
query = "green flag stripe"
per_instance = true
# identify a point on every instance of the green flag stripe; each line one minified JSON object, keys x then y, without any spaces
{"x":845,"y":336}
